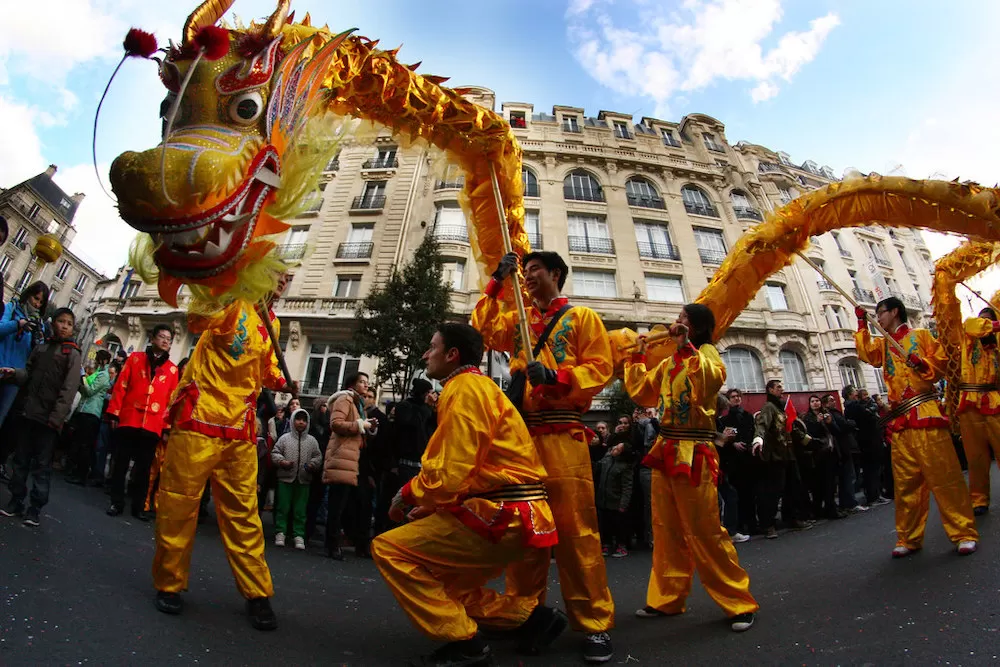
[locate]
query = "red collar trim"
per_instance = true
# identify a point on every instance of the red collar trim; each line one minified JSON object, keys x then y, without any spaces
{"x":898,"y":334}
{"x":554,"y":306}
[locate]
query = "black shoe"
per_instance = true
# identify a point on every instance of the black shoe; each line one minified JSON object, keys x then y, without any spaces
{"x":169,"y":603}
{"x":140,"y":515}
{"x":981,"y":510}
{"x":73,"y":479}
{"x":541,"y":629}
{"x":261,"y":615}
{"x":336,"y":553}
{"x":598,"y":647}
{"x":114,"y":510}
{"x":743,"y":622}
{"x":469,"y":653}
{"x":31,"y":517}
{"x":14,"y":508}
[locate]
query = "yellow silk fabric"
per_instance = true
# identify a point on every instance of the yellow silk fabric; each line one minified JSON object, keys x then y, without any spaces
{"x":924,"y":462}
{"x":979,"y":433}
{"x":688,"y":536}
{"x":480,"y":444}
{"x":684,"y":390}
{"x":438,"y":570}
{"x":979,"y":366}
{"x":899,"y":378}
{"x":190,"y":461}
{"x":232,"y":360}
{"x":578,"y":347}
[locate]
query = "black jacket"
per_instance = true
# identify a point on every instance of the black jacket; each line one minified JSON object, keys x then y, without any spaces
{"x":49,"y":382}
{"x":412,"y":426}
{"x":865,"y":416}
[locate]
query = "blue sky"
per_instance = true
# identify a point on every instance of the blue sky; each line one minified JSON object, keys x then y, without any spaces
{"x":889,"y":86}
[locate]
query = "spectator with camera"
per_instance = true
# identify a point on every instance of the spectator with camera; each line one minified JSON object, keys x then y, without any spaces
{"x":21,"y":329}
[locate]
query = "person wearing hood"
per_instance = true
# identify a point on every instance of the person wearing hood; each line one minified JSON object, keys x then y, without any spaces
{"x":296,"y":457}
{"x":20,"y":330}
{"x":138,"y":414}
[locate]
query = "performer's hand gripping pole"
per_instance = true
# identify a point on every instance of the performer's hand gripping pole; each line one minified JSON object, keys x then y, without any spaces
{"x":263,"y":312}
{"x":515,"y":279}
{"x":892,"y":341}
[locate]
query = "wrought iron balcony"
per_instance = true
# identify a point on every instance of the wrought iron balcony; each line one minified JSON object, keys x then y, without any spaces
{"x":368,"y":203}
{"x":384,"y":163}
{"x":455,"y":233}
{"x":355,"y":250}
{"x":600,"y":246}
{"x":570,"y":192}
{"x":659,"y":251}
{"x":535,"y":240}
{"x":770,"y":167}
{"x":824,"y":286}
{"x":701,"y":209}
{"x":456,"y":184}
{"x":645,"y":202}
{"x":864,"y":295}
{"x":709,"y":256}
{"x":746,"y":213}
{"x":291,"y":251}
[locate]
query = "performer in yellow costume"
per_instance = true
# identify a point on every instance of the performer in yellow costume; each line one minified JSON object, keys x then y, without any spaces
{"x":687,"y":531}
{"x":979,"y":404}
{"x":482,"y":500}
{"x":923,"y":458}
{"x":214,"y":437}
{"x":573,"y":366}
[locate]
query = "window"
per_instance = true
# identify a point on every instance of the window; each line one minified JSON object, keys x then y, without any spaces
{"x":743,"y":370}
{"x":850,"y":374}
{"x":533,"y":227}
{"x":23,"y":282}
{"x":785,"y":195}
{"x":73,"y":303}
{"x":742,"y":206}
{"x":517,"y":119}
{"x":194,"y":343}
{"x":385,"y":158}
{"x":454,"y":274}
{"x":81,"y":283}
{"x":360,"y":233}
{"x":63,"y":270}
{"x":386,"y":154}
{"x":711,"y":245}
{"x":831,"y":317}
{"x":696,"y":201}
{"x":570,"y":124}
{"x":359,"y":243}
{"x":19,"y":237}
{"x":664,"y":288}
{"x":785,"y":159}
{"x":582,"y":186}
{"x":621,"y":130}
{"x":298,"y":235}
{"x":5,"y":263}
{"x":739,"y":199}
{"x":348,"y":287}
{"x":711,"y":144}
{"x":313,"y":203}
{"x":132,"y":289}
{"x":906,"y":263}
{"x":449,"y":223}
{"x":794,"y":371}
{"x":668,"y":139}
{"x":34,"y":210}
{"x":875,"y":250}
{"x":654,"y":241}
{"x":530,"y":182}
{"x":893,"y":286}
{"x":452,"y":178}
{"x":844,"y":252}
{"x":641,"y":192}
{"x":880,"y":382}
{"x":332,"y":165}
{"x":776,"y":297}
{"x":594,"y":283}
{"x":589,"y":233}
{"x":373,"y":196}
{"x":326,"y":370}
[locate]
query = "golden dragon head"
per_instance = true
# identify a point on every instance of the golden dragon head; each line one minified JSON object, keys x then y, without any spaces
{"x":240,"y":100}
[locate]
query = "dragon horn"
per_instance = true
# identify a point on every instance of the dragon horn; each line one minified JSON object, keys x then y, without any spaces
{"x":277,"y":21}
{"x":207,"y":14}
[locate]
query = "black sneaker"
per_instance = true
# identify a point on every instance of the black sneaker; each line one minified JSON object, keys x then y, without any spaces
{"x":261,"y":615}
{"x":169,"y":603}
{"x":541,"y":629}
{"x":469,"y":653}
{"x":743,"y":622}
{"x":114,"y":510}
{"x":76,"y":480}
{"x":981,"y":510}
{"x":140,"y":515}
{"x":14,"y":508}
{"x":31,"y":517}
{"x":598,"y":647}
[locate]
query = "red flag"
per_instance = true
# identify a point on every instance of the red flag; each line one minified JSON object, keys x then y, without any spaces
{"x":790,"y":413}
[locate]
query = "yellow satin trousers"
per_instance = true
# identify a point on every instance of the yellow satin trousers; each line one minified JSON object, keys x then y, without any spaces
{"x":438,"y":570}
{"x":979,"y":433}
{"x":688,"y":535}
{"x":582,"y":576}
{"x":192,"y":459}
{"x":924,"y":462}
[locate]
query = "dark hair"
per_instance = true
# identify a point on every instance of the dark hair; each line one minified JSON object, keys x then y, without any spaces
{"x":846,"y":391}
{"x":816,"y":396}
{"x":352,"y":379}
{"x":702,"y":323}
{"x":465,"y":339}
{"x":772,"y":383}
{"x":893,"y":303}
{"x":161,"y":327}
{"x":734,"y":390}
{"x":37,"y":287}
{"x":993,"y":314}
{"x":102,"y":357}
{"x":63,"y":311}
{"x":830,"y":397}
{"x":551,"y":261}
{"x":300,"y":414}
{"x":182,"y":365}
{"x":3,"y":227}
{"x":421,"y":387}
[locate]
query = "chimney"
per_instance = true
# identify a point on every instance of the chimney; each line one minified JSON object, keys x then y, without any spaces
{"x":78,"y":197}
{"x":51,"y":171}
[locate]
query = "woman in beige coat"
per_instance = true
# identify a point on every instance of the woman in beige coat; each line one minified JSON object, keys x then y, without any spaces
{"x":348,"y":426}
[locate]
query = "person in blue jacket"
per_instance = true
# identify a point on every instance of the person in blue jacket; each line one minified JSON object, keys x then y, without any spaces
{"x":21,"y":328}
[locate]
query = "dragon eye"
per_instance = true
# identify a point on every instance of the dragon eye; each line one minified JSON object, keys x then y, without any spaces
{"x":245,"y":109}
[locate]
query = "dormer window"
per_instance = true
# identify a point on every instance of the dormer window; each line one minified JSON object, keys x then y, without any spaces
{"x":517,"y":120}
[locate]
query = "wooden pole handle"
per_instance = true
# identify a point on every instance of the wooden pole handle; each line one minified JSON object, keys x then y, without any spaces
{"x":658,"y":337}
{"x":262,"y":311}
{"x":978,"y":295}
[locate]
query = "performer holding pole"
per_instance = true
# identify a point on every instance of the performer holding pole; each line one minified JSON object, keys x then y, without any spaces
{"x":687,"y":532}
{"x":923,"y":458}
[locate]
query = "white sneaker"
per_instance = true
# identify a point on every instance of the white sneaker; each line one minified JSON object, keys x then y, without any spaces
{"x":902,"y":552}
{"x":300,"y":543}
{"x":279,"y":540}
{"x":739,"y":538}
{"x":966,"y":547}
{"x":858,"y":508}
{"x":881,"y":501}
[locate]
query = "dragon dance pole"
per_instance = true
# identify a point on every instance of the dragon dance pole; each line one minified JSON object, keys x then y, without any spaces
{"x":892,"y":341}
{"x":508,"y":248}
{"x":978,"y":295}
{"x":262,"y":311}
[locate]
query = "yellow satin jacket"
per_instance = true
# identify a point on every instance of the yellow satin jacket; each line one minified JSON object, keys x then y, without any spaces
{"x":980,"y":365}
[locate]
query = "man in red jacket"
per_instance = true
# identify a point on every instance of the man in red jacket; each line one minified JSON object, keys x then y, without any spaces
{"x":138,"y":412}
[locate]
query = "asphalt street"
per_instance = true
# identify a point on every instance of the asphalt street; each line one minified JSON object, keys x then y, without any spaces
{"x":77,"y":590}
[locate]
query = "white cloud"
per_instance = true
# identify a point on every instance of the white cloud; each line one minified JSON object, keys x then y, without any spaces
{"x":21,"y":149}
{"x":666,"y":51}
